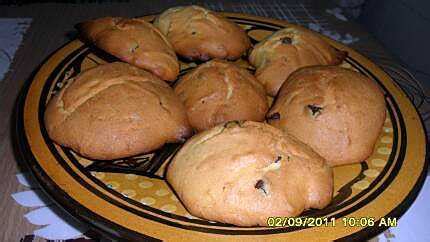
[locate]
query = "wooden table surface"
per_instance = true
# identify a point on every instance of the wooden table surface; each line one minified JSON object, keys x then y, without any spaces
{"x":53,"y":26}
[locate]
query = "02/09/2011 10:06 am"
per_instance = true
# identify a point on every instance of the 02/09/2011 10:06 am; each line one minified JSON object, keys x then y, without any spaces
{"x":331,"y":222}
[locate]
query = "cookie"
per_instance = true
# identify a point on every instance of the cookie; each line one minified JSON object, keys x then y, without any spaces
{"x":134,"y":41}
{"x":241,"y":173}
{"x":220,"y":91}
{"x":336,"y":111}
{"x":115,"y":110}
{"x":200,"y":34}
{"x":287,"y":50}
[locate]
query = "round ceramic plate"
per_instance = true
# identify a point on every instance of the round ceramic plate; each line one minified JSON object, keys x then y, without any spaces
{"x":130,"y":198}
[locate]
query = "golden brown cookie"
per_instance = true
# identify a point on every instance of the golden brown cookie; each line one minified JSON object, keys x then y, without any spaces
{"x":220,"y":91}
{"x":287,"y":50}
{"x":244,"y":172}
{"x":115,"y":110}
{"x":336,"y":111}
{"x":134,"y":41}
{"x":198,"y":33}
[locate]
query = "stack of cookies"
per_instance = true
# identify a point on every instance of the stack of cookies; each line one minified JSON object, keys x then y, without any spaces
{"x":239,"y":148}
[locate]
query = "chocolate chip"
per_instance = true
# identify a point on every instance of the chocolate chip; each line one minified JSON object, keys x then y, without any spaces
{"x":287,"y":40}
{"x":278,"y":159}
{"x":193,"y":33}
{"x":261,"y":186}
{"x":274,"y":116}
{"x":315,"y":110}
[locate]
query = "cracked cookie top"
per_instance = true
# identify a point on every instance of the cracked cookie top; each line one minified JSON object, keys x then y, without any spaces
{"x":197,"y":33}
{"x":219,"y":91}
{"x":287,"y":50}
{"x":115,"y":110}
{"x":244,"y":172}
{"x":336,"y":111}
{"x":134,"y":41}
